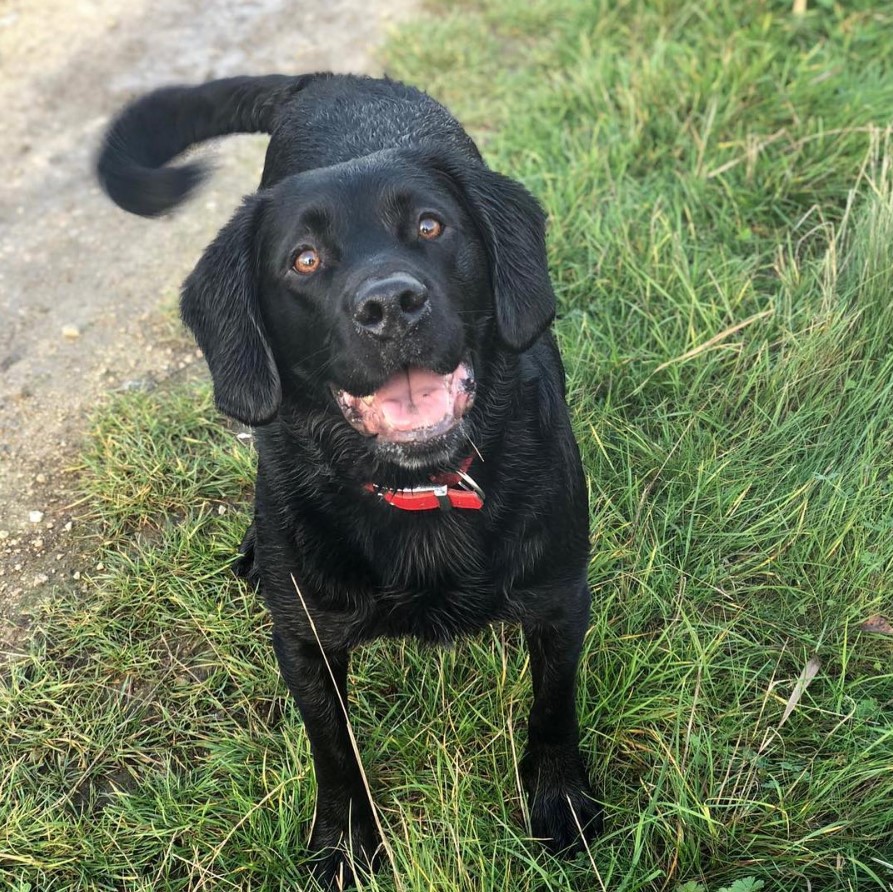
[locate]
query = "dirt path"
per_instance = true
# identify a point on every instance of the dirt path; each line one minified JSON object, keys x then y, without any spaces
{"x":83,"y":285}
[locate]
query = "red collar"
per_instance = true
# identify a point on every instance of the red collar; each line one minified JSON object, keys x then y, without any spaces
{"x":447,"y":491}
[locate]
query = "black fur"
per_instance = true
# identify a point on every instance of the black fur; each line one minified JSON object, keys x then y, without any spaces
{"x":351,"y":166}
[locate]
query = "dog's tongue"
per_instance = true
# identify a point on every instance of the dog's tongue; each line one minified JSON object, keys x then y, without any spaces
{"x":412,"y":398}
{"x":412,"y":405}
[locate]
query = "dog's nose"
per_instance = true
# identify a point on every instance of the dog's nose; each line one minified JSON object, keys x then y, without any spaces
{"x":389,"y":307}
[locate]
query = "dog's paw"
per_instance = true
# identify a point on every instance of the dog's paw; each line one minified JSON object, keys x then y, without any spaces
{"x":339,"y":850}
{"x":564,"y":812}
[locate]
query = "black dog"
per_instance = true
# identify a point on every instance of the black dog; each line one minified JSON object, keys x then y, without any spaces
{"x":379,"y":309}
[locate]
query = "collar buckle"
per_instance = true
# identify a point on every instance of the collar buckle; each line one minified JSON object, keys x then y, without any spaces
{"x":440,"y":495}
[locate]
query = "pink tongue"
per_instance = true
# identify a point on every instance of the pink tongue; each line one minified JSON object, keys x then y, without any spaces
{"x":413,"y":398}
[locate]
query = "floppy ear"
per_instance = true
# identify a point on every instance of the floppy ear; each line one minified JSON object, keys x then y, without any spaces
{"x":219,"y":304}
{"x":514,"y":229}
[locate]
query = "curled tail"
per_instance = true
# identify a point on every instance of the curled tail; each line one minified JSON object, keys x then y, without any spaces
{"x":159,"y":126}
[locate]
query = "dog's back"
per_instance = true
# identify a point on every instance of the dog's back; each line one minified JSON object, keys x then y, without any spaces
{"x":314,"y":120}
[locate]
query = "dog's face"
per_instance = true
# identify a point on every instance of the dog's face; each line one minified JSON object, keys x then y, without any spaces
{"x":376,"y":291}
{"x":375,"y":294}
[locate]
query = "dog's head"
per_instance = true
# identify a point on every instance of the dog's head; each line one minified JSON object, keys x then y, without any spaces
{"x":374,"y":290}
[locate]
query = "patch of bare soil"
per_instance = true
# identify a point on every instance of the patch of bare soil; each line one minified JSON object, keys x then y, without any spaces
{"x":83,"y":286}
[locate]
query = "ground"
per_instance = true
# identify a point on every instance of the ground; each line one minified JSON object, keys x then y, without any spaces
{"x":86,"y":291}
{"x":719,"y":183}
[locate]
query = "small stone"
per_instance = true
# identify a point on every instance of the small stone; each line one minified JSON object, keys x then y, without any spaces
{"x":37,"y":543}
{"x":221,"y":509}
{"x":77,"y":574}
{"x":67,"y":527}
{"x":41,"y":579}
{"x":137,"y":384}
{"x":35,"y":516}
{"x":4,"y":534}
{"x":70,"y":332}
{"x":100,"y":566}
{"x":41,"y":478}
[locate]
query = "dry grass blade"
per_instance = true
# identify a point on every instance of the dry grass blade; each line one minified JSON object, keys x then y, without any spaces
{"x":598,"y":876}
{"x":716,"y":339}
{"x":810,"y":670}
{"x":353,"y":743}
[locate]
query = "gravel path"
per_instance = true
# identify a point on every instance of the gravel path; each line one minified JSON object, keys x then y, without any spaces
{"x":83,"y":286}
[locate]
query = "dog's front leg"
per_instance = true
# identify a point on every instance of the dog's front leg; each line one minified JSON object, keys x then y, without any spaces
{"x":344,"y":830}
{"x":560,"y":800}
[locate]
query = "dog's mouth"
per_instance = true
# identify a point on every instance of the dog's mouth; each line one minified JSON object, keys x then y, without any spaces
{"x":414,"y":405}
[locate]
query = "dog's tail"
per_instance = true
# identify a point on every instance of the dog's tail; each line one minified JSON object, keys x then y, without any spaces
{"x":159,"y":126}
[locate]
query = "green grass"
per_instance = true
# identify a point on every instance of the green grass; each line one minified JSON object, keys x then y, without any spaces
{"x":719,"y":179}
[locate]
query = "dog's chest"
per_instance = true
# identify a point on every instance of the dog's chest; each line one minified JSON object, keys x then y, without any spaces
{"x":433,"y":578}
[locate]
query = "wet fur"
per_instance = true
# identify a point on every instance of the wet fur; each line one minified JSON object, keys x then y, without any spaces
{"x":367,"y":569}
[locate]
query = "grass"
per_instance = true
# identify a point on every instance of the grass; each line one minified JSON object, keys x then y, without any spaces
{"x":719,"y":179}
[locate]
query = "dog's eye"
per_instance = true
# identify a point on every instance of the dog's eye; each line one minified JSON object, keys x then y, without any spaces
{"x":307,"y":262}
{"x":430,"y":228}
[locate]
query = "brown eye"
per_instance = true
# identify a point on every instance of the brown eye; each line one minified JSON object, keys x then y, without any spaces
{"x":307,"y":262}
{"x":429,"y":228}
